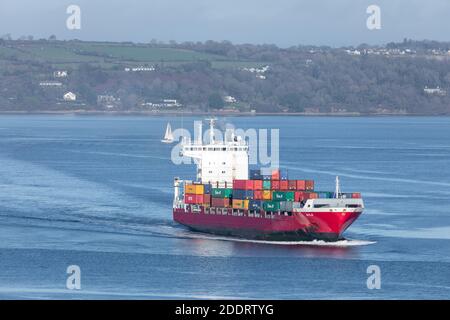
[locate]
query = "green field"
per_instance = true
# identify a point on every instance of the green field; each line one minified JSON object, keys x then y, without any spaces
{"x":110,"y":54}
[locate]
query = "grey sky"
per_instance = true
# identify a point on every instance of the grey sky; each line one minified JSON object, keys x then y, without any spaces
{"x":283,"y":22}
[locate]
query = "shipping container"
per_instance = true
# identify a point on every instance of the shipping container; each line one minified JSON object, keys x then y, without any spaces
{"x":284,"y":185}
{"x":292,"y":184}
{"x":240,"y":204}
{"x":207,"y":188}
{"x":194,"y":189}
{"x":242,"y":194}
{"x":258,"y":195}
{"x":193,"y":198}
{"x":301,"y":185}
{"x":325,"y":194}
{"x":221,"y":192}
{"x":290,"y":196}
{"x":276,"y":174}
{"x":313,"y":195}
{"x":267,"y":185}
{"x":356,"y":195}
{"x":284,"y":174}
{"x":220,"y":202}
{"x":254,"y":204}
{"x":271,"y":206}
{"x":257,"y":184}
{"x":301,"y":196}
{"x":255,"y":174}
{"x":267,"y":177}
{"x":243,"y":184}
{"x":267,"y":195}
{"x":275,"y":184}
{"x":297,"y":205}
{"x":207,"y":199}
{"x":286,"y":205}
{"x":278,"y":196}
{"x":309,"y":185}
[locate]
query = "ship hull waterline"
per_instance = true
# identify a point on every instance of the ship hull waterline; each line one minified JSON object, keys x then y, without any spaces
{"x":300,"y":226}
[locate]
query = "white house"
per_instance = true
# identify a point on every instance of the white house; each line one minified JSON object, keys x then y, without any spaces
{"x":229,"y":99}
{"x":70,"y":96}
{"x":60,"y":74}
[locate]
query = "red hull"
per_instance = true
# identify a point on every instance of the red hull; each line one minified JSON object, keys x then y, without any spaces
{"x":327,"y":226}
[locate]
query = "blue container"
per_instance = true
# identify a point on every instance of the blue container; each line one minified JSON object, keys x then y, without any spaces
{"x":267,"y":177}
{"x":242,"y":194}
{"x":254,"y":205}
{"x":207,"y":189}
{"x":255,"y":174}
{"x":284,"y":174}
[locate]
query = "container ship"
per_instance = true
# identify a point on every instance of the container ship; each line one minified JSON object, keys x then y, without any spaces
{"x":228,"y":199}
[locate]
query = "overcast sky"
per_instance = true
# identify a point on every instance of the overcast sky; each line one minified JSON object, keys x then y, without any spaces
{"x":282,"y":22}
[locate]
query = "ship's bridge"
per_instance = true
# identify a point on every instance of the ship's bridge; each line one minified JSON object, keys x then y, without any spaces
{"x":219,"y":162}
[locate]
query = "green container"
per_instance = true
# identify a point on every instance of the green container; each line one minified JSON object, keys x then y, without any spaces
{"x":221,"y":192}
{"x":271,"y":206}
{"x":266,"y":185}
{"x":290,"y":196}
{"x":278,"y":196}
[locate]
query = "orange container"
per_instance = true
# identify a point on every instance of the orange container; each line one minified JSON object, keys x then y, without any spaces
{"x":309,"y":185}
{"x":257,"y":184}
{"x":258,"y":195}
{"x":276,"y":174}
{"x":292,"y":184}
{"x":267,"y":195}
{"x":284,"y":185}
{"x":301,"y":185}
{"x":194,"y":189}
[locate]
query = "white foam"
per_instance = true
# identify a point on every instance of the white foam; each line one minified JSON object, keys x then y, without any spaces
{"x":320,"y":243}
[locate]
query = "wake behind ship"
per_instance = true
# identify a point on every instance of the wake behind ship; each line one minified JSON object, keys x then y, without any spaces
{"x":268,"y":205}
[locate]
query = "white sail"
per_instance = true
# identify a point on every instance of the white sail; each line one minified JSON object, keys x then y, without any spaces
{"x":168,"y":137}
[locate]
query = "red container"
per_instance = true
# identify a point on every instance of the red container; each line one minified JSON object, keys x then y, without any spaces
{"x":300,"y":196}
{"x":220,"y":202}
{"x":207,"y":199}
{"x":284,"y":185}
{"x":292,"y":184}
{"x":243,"y":184}
{"x":356,"y":195}
{"x":257,"y":185}
{"x":275,"y":185}
{"x":309,"y":185}
{"x":193,"y":198}
{"x":301,"y":185}
{"x":276,"y":174}
{"x":258,"y":195}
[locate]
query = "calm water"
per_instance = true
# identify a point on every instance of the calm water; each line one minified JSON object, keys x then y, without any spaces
{"x":96,"y":192}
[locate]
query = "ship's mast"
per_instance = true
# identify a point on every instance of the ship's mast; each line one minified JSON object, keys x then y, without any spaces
{"x":338,"y":188}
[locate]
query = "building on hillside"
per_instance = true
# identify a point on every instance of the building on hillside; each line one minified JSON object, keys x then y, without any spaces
{"x":60,"y":74}
{"x":229,"y":99}
{"x":70,"y":96}
{"x":435,"y":91}
{"x":50,"y":84}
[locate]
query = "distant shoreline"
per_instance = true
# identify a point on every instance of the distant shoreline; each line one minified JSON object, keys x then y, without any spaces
{"x":215,"y":113}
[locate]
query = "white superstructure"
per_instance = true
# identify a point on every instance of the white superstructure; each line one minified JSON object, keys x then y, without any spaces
{"x":218,"y":161}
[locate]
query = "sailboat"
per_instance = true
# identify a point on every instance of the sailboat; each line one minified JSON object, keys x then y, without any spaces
{"x":168,"y":137}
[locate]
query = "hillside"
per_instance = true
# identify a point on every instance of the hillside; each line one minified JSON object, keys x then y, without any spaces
{"x":412,"y":77}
